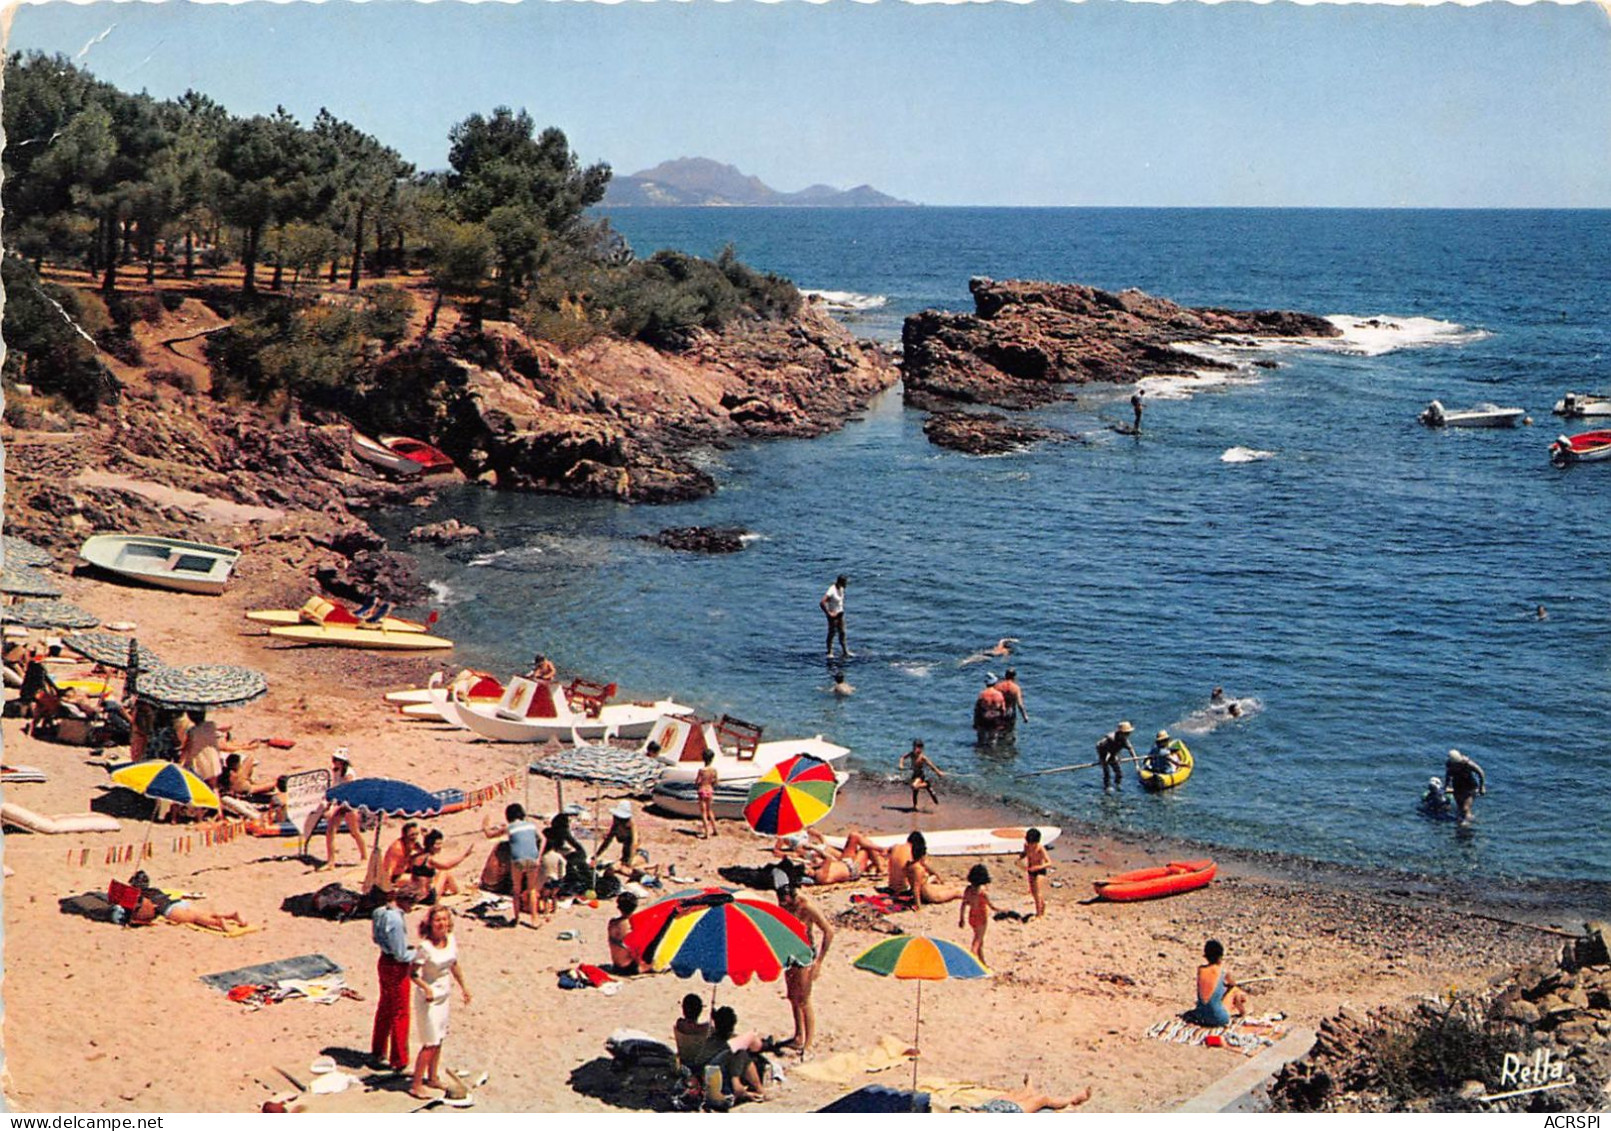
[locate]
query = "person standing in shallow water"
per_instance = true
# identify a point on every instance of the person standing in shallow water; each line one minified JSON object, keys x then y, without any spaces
{"x":1135,"y":406}
{"x":1465,"y":780}
{"x":1108,"y":748}
{"x":833,"y":607}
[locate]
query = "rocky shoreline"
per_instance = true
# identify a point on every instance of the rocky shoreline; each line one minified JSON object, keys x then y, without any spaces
{"x":1027,"y":343}
{"x":608,"y":419}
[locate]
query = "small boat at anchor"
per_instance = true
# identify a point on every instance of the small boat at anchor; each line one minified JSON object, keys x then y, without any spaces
{"x":1478,"y":416}
{"x":1585,"y":447}
{"x":430,"y":702}
{"x":374,"y":639}
{"x":1578,"y":405}
{"x":376,"y":454}
{"x":429,"y":457}
{"x":1151,"y":883}
{"x":168,"y":563}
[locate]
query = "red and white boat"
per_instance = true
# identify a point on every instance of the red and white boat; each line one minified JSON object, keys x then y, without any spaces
{"x":429,"y":458}
{"x":536,"y":711}
{"x":1150,"y":883}
{"x":375,"y":453}
{"x":1585,"y":447}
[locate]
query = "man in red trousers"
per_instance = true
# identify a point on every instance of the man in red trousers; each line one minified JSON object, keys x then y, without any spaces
{"x":388,"y":1045}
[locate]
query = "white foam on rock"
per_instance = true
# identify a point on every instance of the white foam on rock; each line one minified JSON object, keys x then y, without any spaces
{"x":849,"y":301}
{"x":1244,"y":455}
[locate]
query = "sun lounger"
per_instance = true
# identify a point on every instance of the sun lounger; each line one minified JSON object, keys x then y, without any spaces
{"x":15,"y":816}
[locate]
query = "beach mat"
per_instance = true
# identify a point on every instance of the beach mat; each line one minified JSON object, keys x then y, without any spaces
{"x":89,"y":905}
{"x":875,"y":1099}
{"x":232,"y":931}
{"x":305,"y":967}
{"x":1244,"y":1035}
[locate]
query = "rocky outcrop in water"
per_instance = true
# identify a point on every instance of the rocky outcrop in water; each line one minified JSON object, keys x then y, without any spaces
{"x":700,"y":539}
{"x":444,"y":533}
{"x":1028,"y":342}
{"x":986,"y":433}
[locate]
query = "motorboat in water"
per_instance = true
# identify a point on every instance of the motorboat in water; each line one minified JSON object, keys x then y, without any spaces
{"x":1577,"y":405}
{"x":539,"y":710}
{"x":741,"y":759}
{"x":1585,"y":447}
{"x":1478,"y":416}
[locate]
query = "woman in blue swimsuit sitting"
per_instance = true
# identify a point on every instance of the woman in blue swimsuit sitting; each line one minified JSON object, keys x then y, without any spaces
{"x":1218,"y":996}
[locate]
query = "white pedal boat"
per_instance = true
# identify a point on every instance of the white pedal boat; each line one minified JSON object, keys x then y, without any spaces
{"x":537,"y":712}
{"x":741,"y":759}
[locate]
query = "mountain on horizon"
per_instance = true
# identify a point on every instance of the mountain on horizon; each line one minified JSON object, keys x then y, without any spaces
{"x":699,"y":182}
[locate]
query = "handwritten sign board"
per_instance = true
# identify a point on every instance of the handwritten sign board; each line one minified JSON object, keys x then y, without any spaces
{"x":304,"y":797}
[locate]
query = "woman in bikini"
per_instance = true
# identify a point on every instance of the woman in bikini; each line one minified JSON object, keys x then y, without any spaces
{"x":432,"y":872}
{"x":926,"y":887}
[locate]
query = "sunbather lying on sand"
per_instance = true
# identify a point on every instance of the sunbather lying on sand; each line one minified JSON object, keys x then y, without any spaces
{"x":1030,"y":1099}
{"x":826,"y":864}
{"x":155,"y":904}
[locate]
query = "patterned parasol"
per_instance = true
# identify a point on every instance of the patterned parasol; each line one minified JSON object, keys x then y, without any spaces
{"x":24,"y":581}
{"x":165,"y":781}
{"x":16,"y":551}
{"x":601,"y":765}
{"x":48,"y":614}
{"x":201,"y":687}
{"x":113,"y":651}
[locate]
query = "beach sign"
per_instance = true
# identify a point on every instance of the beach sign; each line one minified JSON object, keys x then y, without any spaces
{"x":304,"y":796}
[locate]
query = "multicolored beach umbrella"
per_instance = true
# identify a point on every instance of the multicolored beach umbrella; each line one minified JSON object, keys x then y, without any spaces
{"x":165,"y":781}
{"x":712,"y":933}
{"x":792,"y":795}
{"x":921,"y":959}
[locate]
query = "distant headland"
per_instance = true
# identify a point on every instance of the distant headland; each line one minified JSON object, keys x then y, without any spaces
{"x":698,"y":182}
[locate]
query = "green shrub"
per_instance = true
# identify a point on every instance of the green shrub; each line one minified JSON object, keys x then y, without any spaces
{"x":45,"y":333}
{"x":387,"y":310}
{"x":663,"y":299}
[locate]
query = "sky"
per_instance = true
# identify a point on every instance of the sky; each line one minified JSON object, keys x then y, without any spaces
{"x":1050,"y":103}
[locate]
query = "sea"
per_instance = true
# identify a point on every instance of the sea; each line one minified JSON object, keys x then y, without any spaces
{"x":1366,"y":587}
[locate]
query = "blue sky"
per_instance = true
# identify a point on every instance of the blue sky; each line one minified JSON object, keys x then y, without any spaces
{"x":1051,"y":103}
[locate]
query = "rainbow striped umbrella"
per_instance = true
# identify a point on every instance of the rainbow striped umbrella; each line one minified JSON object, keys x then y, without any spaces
{"x":792,"y":795}
{"x":712,"y":933}
{"x":921,"y":959}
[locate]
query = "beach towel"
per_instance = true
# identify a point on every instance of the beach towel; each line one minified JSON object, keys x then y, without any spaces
{"x":956,"y":1095}
{"x":847,"y":1067}
{"x":228,"y":931}
{"x":1246,"y":1035}
{"x":304,"y":966}
{"x":881,"y":903}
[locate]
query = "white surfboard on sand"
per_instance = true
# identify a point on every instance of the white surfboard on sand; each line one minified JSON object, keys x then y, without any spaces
{"x":1007,"y":841}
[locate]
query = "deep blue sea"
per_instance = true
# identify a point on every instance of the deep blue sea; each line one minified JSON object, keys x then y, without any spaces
{"x":1371,"y":583}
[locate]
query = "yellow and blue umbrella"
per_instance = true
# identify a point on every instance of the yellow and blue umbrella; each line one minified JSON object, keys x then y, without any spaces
{"x":165,"y":781}
{"x":921,"y":959}
{"x":712,"y":933}
{"x":792,"y":795}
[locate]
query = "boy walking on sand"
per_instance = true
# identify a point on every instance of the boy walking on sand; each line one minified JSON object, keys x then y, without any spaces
{"x":976,"y":907}
{"x":1036,"y":865}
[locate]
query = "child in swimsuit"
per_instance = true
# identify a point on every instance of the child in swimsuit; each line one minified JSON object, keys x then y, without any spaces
{"x":976,"y":907}
{"x":705,"y":789}
{"x":1036,"y":864}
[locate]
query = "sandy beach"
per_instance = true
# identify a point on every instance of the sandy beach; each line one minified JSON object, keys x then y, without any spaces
{"x":105,"y":1018}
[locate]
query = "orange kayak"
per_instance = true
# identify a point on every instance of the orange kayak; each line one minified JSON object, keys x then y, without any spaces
{"x":1150,"y":883}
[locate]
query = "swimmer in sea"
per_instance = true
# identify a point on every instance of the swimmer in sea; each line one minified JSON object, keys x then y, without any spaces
{"x":840,"y":687}
{"x":1003,"y":648}
{"x":1543,"y":613}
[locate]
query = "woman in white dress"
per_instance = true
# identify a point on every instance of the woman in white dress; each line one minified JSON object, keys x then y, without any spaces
{"x":436,"y":967}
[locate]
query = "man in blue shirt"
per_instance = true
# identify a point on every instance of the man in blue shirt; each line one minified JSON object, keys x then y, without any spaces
{"x":388,"y":1043}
